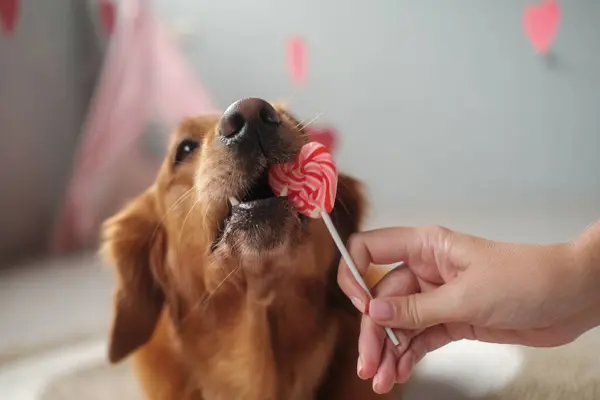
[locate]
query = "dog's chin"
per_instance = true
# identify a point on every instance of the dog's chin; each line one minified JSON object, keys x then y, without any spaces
{"x":260,"y":228}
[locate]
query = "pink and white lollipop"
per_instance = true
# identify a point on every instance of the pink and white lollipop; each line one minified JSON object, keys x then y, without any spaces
{"x":310,"y":184}
{"x":309,"y":181}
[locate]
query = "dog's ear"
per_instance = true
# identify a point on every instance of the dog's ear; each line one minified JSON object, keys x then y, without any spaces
{"x":135,"y":244}
{"x":349,"y":208}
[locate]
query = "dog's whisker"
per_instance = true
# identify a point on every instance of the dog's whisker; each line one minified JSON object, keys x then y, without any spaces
{"x":186,"y":218}
{"x":311,"y":121}
{"x":293,"y":98}
{"x":339,"y":199}
{"x":210,"y":295}
{"x":304,"y":135}
{"x":299,"y":124}
{"x":172,"y":207}
{"x":208,"y":207}
{"x":206,"y":210}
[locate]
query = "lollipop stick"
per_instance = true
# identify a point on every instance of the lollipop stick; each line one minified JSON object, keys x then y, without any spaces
{"x":346,"y":256}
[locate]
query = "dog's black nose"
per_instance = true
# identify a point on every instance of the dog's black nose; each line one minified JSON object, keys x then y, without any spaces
{"x":249,"y":116}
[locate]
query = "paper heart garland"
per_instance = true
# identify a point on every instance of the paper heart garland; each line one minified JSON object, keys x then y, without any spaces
{"x":297,"y":60}
{"x":541,"y":24}
{"x":9,"y":12}
{"x":107,"y":13}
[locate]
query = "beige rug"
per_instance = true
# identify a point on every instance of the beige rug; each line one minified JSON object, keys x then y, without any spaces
{"x":569,"y":372}
{"x":104,"y":382}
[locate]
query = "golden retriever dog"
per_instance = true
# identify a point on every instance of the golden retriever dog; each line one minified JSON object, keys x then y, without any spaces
{"x":223,"y":290}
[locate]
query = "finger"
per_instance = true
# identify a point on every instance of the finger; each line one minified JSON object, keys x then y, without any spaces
{"x":405,"y":367}
{"x":372,"y":340}
{"x":370,"y":346}
{"x":351,"y":287}
{"x":382,"y":246}
{"x":386,"y":246}
{"x":386,"y":373}
{"x":419,"y":310}
{"x":401,"y":281}
{"x":427,"y":341}
{"x":404,"y":337}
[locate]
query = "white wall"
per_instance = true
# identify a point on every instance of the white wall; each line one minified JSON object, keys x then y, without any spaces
{"x":442,"y":105}
{"x":444,"y":109}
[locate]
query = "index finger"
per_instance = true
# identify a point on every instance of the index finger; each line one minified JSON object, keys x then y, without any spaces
{"x":380,"y":246}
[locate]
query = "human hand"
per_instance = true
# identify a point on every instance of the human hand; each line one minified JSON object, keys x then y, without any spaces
{"x":456,"y":286}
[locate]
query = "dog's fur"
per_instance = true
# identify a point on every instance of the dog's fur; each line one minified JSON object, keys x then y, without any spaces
{"x":256,"y":314}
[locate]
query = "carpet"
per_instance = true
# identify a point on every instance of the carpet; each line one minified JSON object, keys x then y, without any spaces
{"x":568,"y":372}
{"x":102,"y":382}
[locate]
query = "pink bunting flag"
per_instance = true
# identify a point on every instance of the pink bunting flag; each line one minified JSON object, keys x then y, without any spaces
{"x":144,"y":78}
{"x":541,"y":22}
{"x":9,"y":12}
{"x":107,"y":14}
{"x":297,"y":60}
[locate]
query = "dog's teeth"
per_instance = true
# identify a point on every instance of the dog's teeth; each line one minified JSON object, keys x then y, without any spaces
{"x":234,"y":201}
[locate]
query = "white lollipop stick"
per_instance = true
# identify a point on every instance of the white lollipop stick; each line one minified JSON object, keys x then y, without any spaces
{"x":340,"y":245}
{"x":315,"y":159}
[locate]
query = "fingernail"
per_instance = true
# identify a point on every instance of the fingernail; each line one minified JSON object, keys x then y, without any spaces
{"x":358,"y":304}
{"x":359,"y":367}
{"x":381,"y":310}
{"x":376,"y":384}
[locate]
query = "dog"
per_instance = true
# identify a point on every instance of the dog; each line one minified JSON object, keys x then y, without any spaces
{"x":224,"y":291}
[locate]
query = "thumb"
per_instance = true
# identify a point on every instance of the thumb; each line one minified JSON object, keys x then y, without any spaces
{"x":417,"y":311}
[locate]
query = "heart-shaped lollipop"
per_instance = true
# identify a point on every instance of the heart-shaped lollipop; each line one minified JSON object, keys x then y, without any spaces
{"x":310,"y":183}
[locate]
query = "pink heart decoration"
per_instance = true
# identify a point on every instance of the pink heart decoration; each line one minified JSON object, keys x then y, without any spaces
{"x":297,"y":60}
{"x":107,"y":13}
{"x":325,"y":136}
{"x":9,"y":11}
{"x":541,"y":24}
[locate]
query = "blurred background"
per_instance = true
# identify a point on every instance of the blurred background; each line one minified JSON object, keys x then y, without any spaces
{"x":444,"y":109}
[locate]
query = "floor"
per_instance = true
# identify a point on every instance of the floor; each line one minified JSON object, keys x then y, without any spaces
{"x":53,"y":301}
{"x":55,"y":315}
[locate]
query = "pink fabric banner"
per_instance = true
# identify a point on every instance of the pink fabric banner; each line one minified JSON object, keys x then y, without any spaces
{"x":145,"y":83}
{"x":145,"y":79}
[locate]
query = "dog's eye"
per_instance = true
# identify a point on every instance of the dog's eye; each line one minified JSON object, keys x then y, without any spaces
{"x":185,"y":148}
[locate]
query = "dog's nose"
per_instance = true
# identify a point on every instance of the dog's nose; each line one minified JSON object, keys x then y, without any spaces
{"x":250,"y":114}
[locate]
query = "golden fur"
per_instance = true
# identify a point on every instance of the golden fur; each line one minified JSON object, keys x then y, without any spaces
{"x":249,"y":319}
